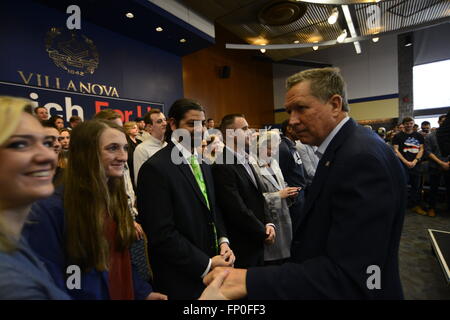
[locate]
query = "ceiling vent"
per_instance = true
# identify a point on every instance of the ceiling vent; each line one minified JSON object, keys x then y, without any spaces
{"x":279,"y":13}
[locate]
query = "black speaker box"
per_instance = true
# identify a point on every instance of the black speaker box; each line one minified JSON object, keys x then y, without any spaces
{"x":224,"y":72}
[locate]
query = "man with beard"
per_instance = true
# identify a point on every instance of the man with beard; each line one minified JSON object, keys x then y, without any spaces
{"x":239,"y":195}
{"x":141,"y":127}
{"x":177,"y":207}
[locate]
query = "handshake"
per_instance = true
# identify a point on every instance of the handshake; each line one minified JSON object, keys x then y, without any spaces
{"x":225,"y":283}
{"x":215,"y":280}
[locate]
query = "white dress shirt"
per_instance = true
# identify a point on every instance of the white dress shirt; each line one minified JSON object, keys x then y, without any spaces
{"x":309,"y":159}
{"x":324,"y":145}
{"x":144,"y":151}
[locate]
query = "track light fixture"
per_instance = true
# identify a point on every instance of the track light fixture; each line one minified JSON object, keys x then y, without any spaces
{"x":342,"y":36}
{"x":334,"y":16}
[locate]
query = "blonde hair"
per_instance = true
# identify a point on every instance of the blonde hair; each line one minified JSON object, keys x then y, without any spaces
{"x":129,"y":125}
{"x":11,"y":110}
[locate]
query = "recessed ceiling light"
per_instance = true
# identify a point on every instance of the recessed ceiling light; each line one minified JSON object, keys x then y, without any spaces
{"x":183,"y":40}
{"x":375,"y":39}
{"x":263,"y":50}
{"x":129,"y":15}
{"x":159,"y":29}
{"x":315,"y":48}
{"x":297,"y":41}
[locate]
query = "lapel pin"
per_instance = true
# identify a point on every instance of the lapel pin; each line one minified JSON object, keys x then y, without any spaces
{"x":327,"y":164}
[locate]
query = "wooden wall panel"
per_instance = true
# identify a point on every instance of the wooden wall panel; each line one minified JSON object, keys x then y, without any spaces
{"x":248,"y":90}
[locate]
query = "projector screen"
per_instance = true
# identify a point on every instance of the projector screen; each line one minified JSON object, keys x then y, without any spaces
{"x":431,"y":85}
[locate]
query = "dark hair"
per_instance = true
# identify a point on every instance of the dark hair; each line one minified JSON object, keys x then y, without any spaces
{"x":425,"y":123}
{"x":148,"y":116}
{"x":107,"y":114}
{"x":210,"y":119}
{"x":39,"y":107}
{"x":442,"y":116}
{"x":177,"y":111}
{"x":54,"y":118}
{"x":48,"y":124}
{"x":284,"y":127}
{"x":228,"y":120}
{"x":74,"y":118}
{"x":407,"y":119}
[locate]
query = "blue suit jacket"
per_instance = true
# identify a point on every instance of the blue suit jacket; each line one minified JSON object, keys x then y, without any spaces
{"x":352,"y":220}
{"x":294,"y":175}
{"x":45,"y":234}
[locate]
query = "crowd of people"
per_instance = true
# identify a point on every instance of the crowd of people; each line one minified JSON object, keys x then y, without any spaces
{"x":174,"y":208}
{"x":426,"y":166}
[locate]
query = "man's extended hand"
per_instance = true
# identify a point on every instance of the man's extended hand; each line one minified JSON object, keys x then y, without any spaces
{"x":234,"y":285}
{"x":212,"y":291}
{"x":227,"y":253}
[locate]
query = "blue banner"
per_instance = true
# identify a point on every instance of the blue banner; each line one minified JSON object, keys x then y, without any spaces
{"x":67,"y":103}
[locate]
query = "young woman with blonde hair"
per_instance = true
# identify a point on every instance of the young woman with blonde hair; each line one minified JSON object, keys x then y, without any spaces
{"x":27,"y":165}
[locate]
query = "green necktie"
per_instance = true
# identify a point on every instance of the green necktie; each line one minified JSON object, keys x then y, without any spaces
{"x":199,"y":177}
{"x":201,"y":183}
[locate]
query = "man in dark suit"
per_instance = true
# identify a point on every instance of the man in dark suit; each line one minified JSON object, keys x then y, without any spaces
{"x":239,"y":195}
{"x":347,"y":242}
{"x":292,"y":168}
{"x":177,"y":206}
